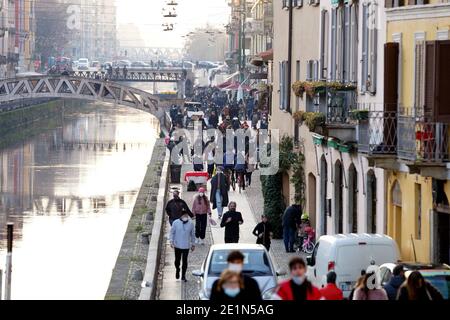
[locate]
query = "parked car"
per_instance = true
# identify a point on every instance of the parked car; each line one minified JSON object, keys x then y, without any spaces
{"x":437,"y":274}
{"x":257,"y":264}
{"x":83,"y":64}
{"x":348,"y":255}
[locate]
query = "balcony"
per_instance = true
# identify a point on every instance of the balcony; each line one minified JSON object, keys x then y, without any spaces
{"x":377,"y":133}
{"x":423,"y":142}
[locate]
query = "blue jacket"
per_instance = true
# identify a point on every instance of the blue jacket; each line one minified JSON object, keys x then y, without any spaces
{"x":393,"y":286}
{"x":182,"y":235}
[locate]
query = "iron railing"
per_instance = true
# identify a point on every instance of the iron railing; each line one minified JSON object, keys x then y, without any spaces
{"x":377,"y":135}
{"x":420,"y":140}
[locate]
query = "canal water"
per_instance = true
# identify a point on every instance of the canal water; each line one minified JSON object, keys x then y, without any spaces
{"x":70,"y":192}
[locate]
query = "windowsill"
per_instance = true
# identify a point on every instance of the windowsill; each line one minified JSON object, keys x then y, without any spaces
{"x":424,"y":11}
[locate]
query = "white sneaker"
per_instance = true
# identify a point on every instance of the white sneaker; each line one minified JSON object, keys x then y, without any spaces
{"x":197,"y":240}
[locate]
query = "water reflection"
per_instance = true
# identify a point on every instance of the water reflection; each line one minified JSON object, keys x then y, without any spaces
{"x":69,"y":193}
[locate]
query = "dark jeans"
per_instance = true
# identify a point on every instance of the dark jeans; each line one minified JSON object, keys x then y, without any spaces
{"x":231,"y":239}
{"x":210,"y":169}
{"x":181,"y":253}
{"x":289,"y":238}
{"x":200,"y":225}
{"x":248,"y":176}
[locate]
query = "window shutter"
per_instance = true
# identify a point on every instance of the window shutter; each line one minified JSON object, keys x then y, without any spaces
{"x":354,"y":44}
{"x":442,"y":82}
{"x":391,"y":52}
{"x":373,"y":44}
{"x":333,"y":51}
{"x":347,"y":44}
{"x":308,"y":71}
{"x":287,"y":92}
{"x":430,"y":79}
{"x":419,"y":76}
{"x":323,"y":43}
{"x":364,"y":53}
{"x":316,"y":70}
{"x":280,"y":74}
{"x":340,"y":39}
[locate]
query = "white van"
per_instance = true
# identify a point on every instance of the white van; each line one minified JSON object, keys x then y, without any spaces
{"x":348,"y":255}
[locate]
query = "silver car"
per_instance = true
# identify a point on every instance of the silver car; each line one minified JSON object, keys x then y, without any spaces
{"x":257,"y":264}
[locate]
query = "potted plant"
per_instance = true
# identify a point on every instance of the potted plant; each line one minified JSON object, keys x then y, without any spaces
{"x":313,"y":120}
{"x":359,"y":115}
{"x":299,"y":116}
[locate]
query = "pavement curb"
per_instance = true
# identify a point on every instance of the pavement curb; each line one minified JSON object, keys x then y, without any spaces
{"x":150,"y":281}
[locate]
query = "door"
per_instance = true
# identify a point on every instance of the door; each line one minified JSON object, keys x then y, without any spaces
{"x":391,"y":73}
{"x":443,"y":235}
{"x":398,"y":226}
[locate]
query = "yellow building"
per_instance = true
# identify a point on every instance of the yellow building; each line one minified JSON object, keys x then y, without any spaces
{"x":417,"y":65}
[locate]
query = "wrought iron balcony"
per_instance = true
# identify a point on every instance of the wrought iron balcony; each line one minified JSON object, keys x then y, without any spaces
{"x":377,"y":133}
{"x":424,"y":141}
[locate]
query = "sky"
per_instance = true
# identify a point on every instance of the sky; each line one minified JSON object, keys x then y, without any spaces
{"x":147,"y":14}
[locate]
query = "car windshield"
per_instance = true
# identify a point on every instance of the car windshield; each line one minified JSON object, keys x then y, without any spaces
{"x":440,"y":282}
{"x":256,"y":263}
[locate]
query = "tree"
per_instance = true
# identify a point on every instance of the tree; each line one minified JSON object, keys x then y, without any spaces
{"x":52,"y":33}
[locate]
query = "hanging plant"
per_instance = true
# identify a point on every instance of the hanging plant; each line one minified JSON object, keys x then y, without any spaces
{"x":314,"y":120}
{"x":299,"y":88}
{"x":299,"y":116}
{"x":312,"y":88}
{"x":298,"y":179}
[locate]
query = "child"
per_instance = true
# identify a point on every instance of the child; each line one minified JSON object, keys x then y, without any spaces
{"x":263,"y":232}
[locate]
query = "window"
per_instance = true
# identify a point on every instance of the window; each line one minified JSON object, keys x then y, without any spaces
{"x":324,"y":24}
{"x":310,"y":70}
{"x":369,"y":48}
{"x":418,"y":197}
{"x":333,"y":51}
{"x":284,"y":90}
{"x":256,"y":263}
{"x":419,"y":73}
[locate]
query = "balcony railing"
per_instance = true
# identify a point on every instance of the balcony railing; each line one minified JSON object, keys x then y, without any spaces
{"x":377,"y":135}
{"x":339,"y":106}
{"x":422,"y":141}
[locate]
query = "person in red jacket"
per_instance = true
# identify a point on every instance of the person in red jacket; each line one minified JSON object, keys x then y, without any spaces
{"x":331,"y":291}
{"x":298,"y":287}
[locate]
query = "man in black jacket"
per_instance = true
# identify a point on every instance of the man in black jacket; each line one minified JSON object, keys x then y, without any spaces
{"x":291,"y":219}
{"x":176,"y":207}
{"x":263,"y":232}
{"x":231,"y":221}
{"x":250,"y":292}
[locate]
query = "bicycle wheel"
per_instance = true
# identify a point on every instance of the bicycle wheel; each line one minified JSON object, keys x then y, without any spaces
{"x":309,"y":247}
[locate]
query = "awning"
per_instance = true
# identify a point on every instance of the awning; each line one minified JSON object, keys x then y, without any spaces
{"x":258,"y":76}
{"x":228,"y":81}
{"x":266,"y":55}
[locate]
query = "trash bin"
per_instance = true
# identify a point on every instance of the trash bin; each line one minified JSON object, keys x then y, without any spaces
{"x":175,"y":173}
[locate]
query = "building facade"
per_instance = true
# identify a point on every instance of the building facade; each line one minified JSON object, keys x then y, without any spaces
{"x":344,"y":191}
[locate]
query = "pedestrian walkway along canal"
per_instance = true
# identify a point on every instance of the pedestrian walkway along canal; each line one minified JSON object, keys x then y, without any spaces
{"x":70,"y":192}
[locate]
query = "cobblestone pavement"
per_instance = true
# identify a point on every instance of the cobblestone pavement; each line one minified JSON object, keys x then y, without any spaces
{"x":250,"y":204}
{"x":255,"y":198}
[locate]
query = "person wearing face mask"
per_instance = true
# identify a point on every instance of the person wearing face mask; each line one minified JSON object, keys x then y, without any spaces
{"x":298,"y":287}
{"x":231,"y":221}
{"x":248,"y":288}
{"x":229,"y":287}
{"x":201,"y":210}
{"x":176,"y":207}
{"x":182,"y":239}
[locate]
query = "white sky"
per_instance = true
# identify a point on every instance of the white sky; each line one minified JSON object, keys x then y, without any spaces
{"x":147,"y":15}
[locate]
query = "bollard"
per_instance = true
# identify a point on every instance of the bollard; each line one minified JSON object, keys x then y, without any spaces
{"x":9,"y":261}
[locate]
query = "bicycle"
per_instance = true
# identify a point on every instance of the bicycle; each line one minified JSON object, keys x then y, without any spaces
{"x":308,"y":245}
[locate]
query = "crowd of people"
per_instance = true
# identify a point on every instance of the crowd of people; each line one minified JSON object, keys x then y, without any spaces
{"x":233,"y":284}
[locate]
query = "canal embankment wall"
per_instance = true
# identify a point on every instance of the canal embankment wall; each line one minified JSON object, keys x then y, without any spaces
{"x":22,"y":121}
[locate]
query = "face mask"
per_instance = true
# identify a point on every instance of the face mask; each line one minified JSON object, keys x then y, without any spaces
{"x":185,"y":220}
{"x":201,"y":194}
{"x":299,"y":280}
{"x":232,"y":292}
{"x":235,"y":267}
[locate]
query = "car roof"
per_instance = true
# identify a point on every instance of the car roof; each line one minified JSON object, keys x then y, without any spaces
{"x":237,"y":246}
{"x":353,"y":238}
